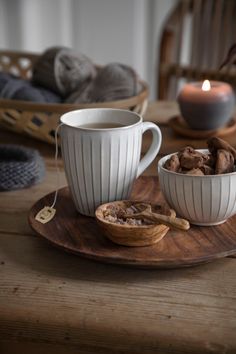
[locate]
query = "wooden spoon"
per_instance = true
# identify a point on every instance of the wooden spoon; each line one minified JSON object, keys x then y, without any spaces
{"x":147,"y":214}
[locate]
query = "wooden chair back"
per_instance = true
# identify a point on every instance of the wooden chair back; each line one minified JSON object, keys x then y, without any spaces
{"x":194,"y":42}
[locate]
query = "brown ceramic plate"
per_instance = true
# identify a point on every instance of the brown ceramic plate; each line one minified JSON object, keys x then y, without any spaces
{"x":81,"y":235}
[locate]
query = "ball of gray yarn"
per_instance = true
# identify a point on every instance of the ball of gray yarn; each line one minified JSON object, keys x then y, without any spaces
{"x":20,"y":167}
{"x":113,"y":82}
{"x":62,"y":70}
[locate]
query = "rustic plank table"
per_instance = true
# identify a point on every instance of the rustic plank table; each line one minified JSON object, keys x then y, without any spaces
{"x":54,"y":302}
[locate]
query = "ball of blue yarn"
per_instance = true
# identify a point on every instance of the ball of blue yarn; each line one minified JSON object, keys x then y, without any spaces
{"x":12,"y":87}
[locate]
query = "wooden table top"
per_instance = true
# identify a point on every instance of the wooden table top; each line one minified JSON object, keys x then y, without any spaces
{"x":54,"y":302}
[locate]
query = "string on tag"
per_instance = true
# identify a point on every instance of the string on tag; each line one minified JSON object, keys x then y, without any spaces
{"x":56,"y":165}
{"x":48,"y":212}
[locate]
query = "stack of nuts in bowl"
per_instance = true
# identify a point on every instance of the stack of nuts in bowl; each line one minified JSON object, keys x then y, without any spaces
{"x":200,"y":185}
{"x":220,"y":159}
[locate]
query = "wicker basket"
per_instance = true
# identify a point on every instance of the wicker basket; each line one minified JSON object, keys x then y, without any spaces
{"x":40,"y":120}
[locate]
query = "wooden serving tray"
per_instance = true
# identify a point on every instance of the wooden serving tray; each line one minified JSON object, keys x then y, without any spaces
{"x":81,"y":235}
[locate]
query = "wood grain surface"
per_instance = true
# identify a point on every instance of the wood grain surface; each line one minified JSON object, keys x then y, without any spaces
{"x":82,"y":235}
{"x":55,"y":302}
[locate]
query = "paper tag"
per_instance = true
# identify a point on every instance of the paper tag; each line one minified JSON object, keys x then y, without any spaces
{"x":45,"y":215}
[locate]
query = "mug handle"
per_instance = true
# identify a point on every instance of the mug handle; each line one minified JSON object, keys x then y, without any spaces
{"x":154,"y":148}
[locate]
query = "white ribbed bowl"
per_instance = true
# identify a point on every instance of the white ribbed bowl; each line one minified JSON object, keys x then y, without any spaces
{"x":203,"y":200}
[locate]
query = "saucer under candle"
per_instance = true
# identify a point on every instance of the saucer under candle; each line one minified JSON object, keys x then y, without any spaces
{"x":206,"y":105}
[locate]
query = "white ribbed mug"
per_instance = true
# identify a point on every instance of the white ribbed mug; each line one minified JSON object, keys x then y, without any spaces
{"x":101,"y":164}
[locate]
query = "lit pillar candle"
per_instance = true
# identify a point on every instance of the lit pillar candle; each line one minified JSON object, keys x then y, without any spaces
{"x":207,"y":105}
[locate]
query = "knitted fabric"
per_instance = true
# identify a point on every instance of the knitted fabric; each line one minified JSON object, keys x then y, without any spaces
{"x":62,"y":71}
{"x":12,"y":87}
{"x":20,"y":167}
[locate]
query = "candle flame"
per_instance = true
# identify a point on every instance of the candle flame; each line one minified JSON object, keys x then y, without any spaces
{"x":206,"y":86}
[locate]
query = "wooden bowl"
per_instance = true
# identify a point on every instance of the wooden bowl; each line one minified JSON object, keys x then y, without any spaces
{"x":133,"y":235}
